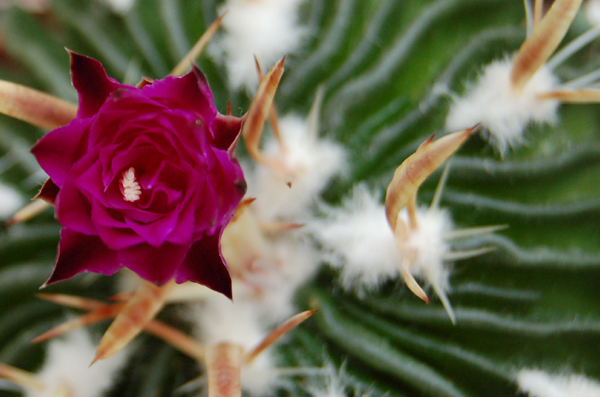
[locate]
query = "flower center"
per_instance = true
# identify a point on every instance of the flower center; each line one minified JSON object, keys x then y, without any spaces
{"x":130,"y":189}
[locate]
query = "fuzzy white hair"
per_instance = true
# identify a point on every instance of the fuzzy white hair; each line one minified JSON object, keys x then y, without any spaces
{"x":427,"y":240}
{"x":537,"y":383}
{"x":297,"y":262}
{"x":333,"y":384}
{"x":120,"y":6}
{"x":270,"y":287}
{"x":68,"y":364}
{"x":506,"y":113}
{"x":592,"y":12}
{"x":308,"y":164}
{"x":358,"y":240}
{"x":267,"y":29}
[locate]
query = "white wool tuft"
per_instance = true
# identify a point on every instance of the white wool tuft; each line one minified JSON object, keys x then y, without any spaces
{"x":267,"y":268}
{"x":297,"y":261}
{"x":221,"y":320}
{"x":504,"y":112}
{"x":542,"y":384}
{"x":260,"y":377}
{"x":266,"y":29}
{"x":68,"y":362}
{"x":308,"y":163}
{"x":10,"y":201}
{"x":592,"y":12}
{"x":359,"y":241}
{"x":333,"y":385}
{"x":428,"y":242}
{"x":121,"y":6}
{"x":430,"y":247}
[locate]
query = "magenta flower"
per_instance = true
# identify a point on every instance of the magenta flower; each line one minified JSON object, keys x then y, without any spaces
{"x":143,"y":178}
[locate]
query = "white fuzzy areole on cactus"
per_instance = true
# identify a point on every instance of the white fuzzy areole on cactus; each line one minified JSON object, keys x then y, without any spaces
{"x":504,"y":111}
{"x":537,"y":383}
{"x":267,"y":29}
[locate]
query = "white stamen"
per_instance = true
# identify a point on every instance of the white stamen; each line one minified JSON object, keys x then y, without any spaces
{"x":130,"y":189}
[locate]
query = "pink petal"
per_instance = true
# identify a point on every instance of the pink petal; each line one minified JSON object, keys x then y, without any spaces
{"x":59,"y":149}
{"x":227,"y":131}
{"x":113,"y":232}
{"x":229,"y":177}
{"x":189,"y":93}
{"x":155,"y":264}
{"x":48,"y":192}
{"x":79,"y":253}
{"x":73,"y":210}
{"x":92,"y":84}
{"x":155,"y":233}
{"x":204,"y":264}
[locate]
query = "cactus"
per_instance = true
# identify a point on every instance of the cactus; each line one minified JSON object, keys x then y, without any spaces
{"x":389,"y":73}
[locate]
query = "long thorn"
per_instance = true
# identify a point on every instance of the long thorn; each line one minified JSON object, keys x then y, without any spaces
{"x":573,"y":47}
{"x":417,"y":167}
{"x":259,"y":111}
{"x":312,"y":120}
{"x":146,"y":302}
{"x":121,"y":296}
{"x":456,"y":256}
{"x":78,"y":322}
{"x":582,"y":81}
{"x":301,"y":371}
{"x":472,"y":231}
{"x":277,"y":333}
{"x":197,"y":49}
{"x":21,"y":378}
{"x":275,"y":227}
{"x":241,"y":208}
{"x":273,"y":118}
{"x":410,"y":281}
{"x":437,"y":196}
{"x":528,"y":17}
{"x":445,"y":302}
{"x":411,"y":209}
{"x":102,"y":311}
{"x":35,"y":107}
{"x":547,"y":35}
{"x":590,"y":95}
{"x":29,"y":211}
{"x":76,"y":302}
{"x":538,"y":8}
{"x":176,"y":338}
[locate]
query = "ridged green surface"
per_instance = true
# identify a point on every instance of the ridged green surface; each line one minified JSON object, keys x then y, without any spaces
{"x":533,"y":302}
